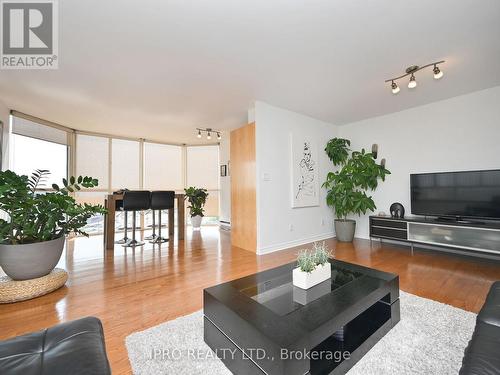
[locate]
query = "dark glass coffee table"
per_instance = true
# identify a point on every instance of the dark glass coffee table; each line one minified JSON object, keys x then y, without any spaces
{"x":262,"y":324}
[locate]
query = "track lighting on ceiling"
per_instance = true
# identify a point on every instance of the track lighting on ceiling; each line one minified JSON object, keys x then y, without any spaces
{"x":437,"y":72}
{"x":412,"y":84}
{"x":209,"y":132}
{"x":410,"y":71}
{"x":395,"y":88}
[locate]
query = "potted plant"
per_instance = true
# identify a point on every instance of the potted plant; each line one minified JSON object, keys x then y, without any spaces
{"x":313,"y":267}
{"x":34,"y":225}
{"x":347,"y":187}
{"x":197,"y":198}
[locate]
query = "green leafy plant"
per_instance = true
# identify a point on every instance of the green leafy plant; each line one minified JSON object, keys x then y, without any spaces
{"x":33,"y":216}
{"x":321,"y":253}
{"x":307,"y":260}
{"x":197,"y":198}
{"x":347,"y":188}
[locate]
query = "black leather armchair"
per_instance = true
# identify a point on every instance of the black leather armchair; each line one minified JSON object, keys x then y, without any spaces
{"x":75,"y":347}
{"x":482,"y":355}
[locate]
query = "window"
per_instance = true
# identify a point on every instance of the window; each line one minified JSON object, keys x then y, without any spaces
{"x":202,"y":170}
{"x":162,"y":167}
{"x":37,"y":146}
{"x":92,"y":158}
{"x":125,"y":164}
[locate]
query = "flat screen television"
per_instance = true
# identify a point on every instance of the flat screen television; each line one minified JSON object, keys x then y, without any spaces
{"x":472,"y":194}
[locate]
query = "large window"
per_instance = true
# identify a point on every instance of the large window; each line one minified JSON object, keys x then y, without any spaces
{"x":162,"y":167}
{"x":36,"y":146}
{"x":125,"y":164}
{"x":202,"y":170}
{"x":92,"y":158}
{"x":117,"y":164}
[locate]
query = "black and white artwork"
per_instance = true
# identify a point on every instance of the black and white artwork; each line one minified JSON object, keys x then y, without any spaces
{"x":305,"y":184}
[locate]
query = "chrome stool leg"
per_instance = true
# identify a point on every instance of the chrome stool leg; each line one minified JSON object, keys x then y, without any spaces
{"x":159,"y":239}
{"x":125,"y":238}
{"x":153,"y":236}
{"x":133,"y":242}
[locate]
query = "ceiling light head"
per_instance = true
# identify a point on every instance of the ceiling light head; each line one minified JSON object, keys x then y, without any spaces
{"x":218,"y":136}
{"x":413,"y":83}
{"x":394,"y":87}
{"x":209,"y":136}
{"x":199,"y":134}
{"x":437,"y":72}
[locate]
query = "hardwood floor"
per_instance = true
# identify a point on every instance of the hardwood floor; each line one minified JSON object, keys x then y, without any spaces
{"x":133,"y":290}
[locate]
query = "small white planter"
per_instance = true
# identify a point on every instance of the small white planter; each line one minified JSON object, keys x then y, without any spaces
{"x":306,"y":280}
{"x":196,"y":221}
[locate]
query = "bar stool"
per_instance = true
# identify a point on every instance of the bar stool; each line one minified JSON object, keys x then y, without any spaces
{"x":119,"y":207}
{"x":153,"y":236}
{"x":161,"y":200}
{"x":135,"y":201}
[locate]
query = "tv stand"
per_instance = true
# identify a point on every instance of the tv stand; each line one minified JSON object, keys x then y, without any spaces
{"x":473,"y":237}
{"x":458,"y":219}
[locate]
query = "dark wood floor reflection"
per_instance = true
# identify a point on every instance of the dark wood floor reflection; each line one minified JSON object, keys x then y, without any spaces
{"x":133,"y":290}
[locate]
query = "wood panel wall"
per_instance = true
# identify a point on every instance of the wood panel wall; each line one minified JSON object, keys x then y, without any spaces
{"x":243,"y":185}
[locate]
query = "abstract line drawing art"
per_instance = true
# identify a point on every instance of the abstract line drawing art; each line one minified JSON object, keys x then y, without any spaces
{"x":305,"y":184}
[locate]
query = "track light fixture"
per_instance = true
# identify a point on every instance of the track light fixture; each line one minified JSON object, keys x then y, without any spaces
{"x":412,"y":84}
{"x":410,"y":71}
{"x":209,"y":132}
{"x":437,"y":72}
{"x":395,"y":88}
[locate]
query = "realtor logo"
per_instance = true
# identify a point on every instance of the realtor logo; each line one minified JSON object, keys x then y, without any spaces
{"x":29,"y":34}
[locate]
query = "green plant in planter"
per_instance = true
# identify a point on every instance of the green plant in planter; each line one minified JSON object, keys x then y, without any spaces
{"x":307,"y":260}
{"x":347,"y":187}
{"x":37,"y":217}
{"x":197,"y":198}
{"x":321,"y":253}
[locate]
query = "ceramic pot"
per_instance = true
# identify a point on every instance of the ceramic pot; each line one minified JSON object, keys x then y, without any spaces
{"x":196,"y":221}
{"x":345,"y":229}
{"x":29,"y":261}
{"x":306,"y":280}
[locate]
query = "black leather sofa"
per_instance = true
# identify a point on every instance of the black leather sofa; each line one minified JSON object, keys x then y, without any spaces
{"x":482,"y":355}
{"x":75,"y":347}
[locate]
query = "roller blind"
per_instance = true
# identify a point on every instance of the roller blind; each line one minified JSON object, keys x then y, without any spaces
{"x":92,"y":158}
{"x":125,"y":164}
{"x":203,"y":167}
{"x":28,"y":128}
{"x":162,"y":167}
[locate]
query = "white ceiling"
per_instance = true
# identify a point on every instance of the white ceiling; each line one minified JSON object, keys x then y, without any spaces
{"x":158,"y":69}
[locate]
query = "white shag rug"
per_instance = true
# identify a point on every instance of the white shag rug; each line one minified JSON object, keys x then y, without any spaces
{"x":429,"y":339}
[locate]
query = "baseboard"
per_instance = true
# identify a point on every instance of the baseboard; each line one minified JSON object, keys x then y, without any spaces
{"x":286,"y":245}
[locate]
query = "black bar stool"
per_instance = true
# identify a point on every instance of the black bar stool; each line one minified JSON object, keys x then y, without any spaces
{"x":153,"y":236}
{"x":119,"y":207}
{"x":161,"y":200}
{"x":135,"y":201}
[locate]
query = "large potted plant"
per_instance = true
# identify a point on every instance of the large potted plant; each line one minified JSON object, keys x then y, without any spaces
{"x":34,"y":225}
{"x":347,"y":187}
{"x":197,"y":198}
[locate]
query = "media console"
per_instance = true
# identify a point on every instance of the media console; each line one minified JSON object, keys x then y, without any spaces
{"x":474,"y":237}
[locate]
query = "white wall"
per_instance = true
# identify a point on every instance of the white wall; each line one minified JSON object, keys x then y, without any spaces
{"x":225,"y":182}
{"x":4,"y":117}
{"x":274,"y":213}
{"x":462,"y":133}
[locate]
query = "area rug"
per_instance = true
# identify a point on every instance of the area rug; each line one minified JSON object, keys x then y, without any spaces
{"x":429,"y":339}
